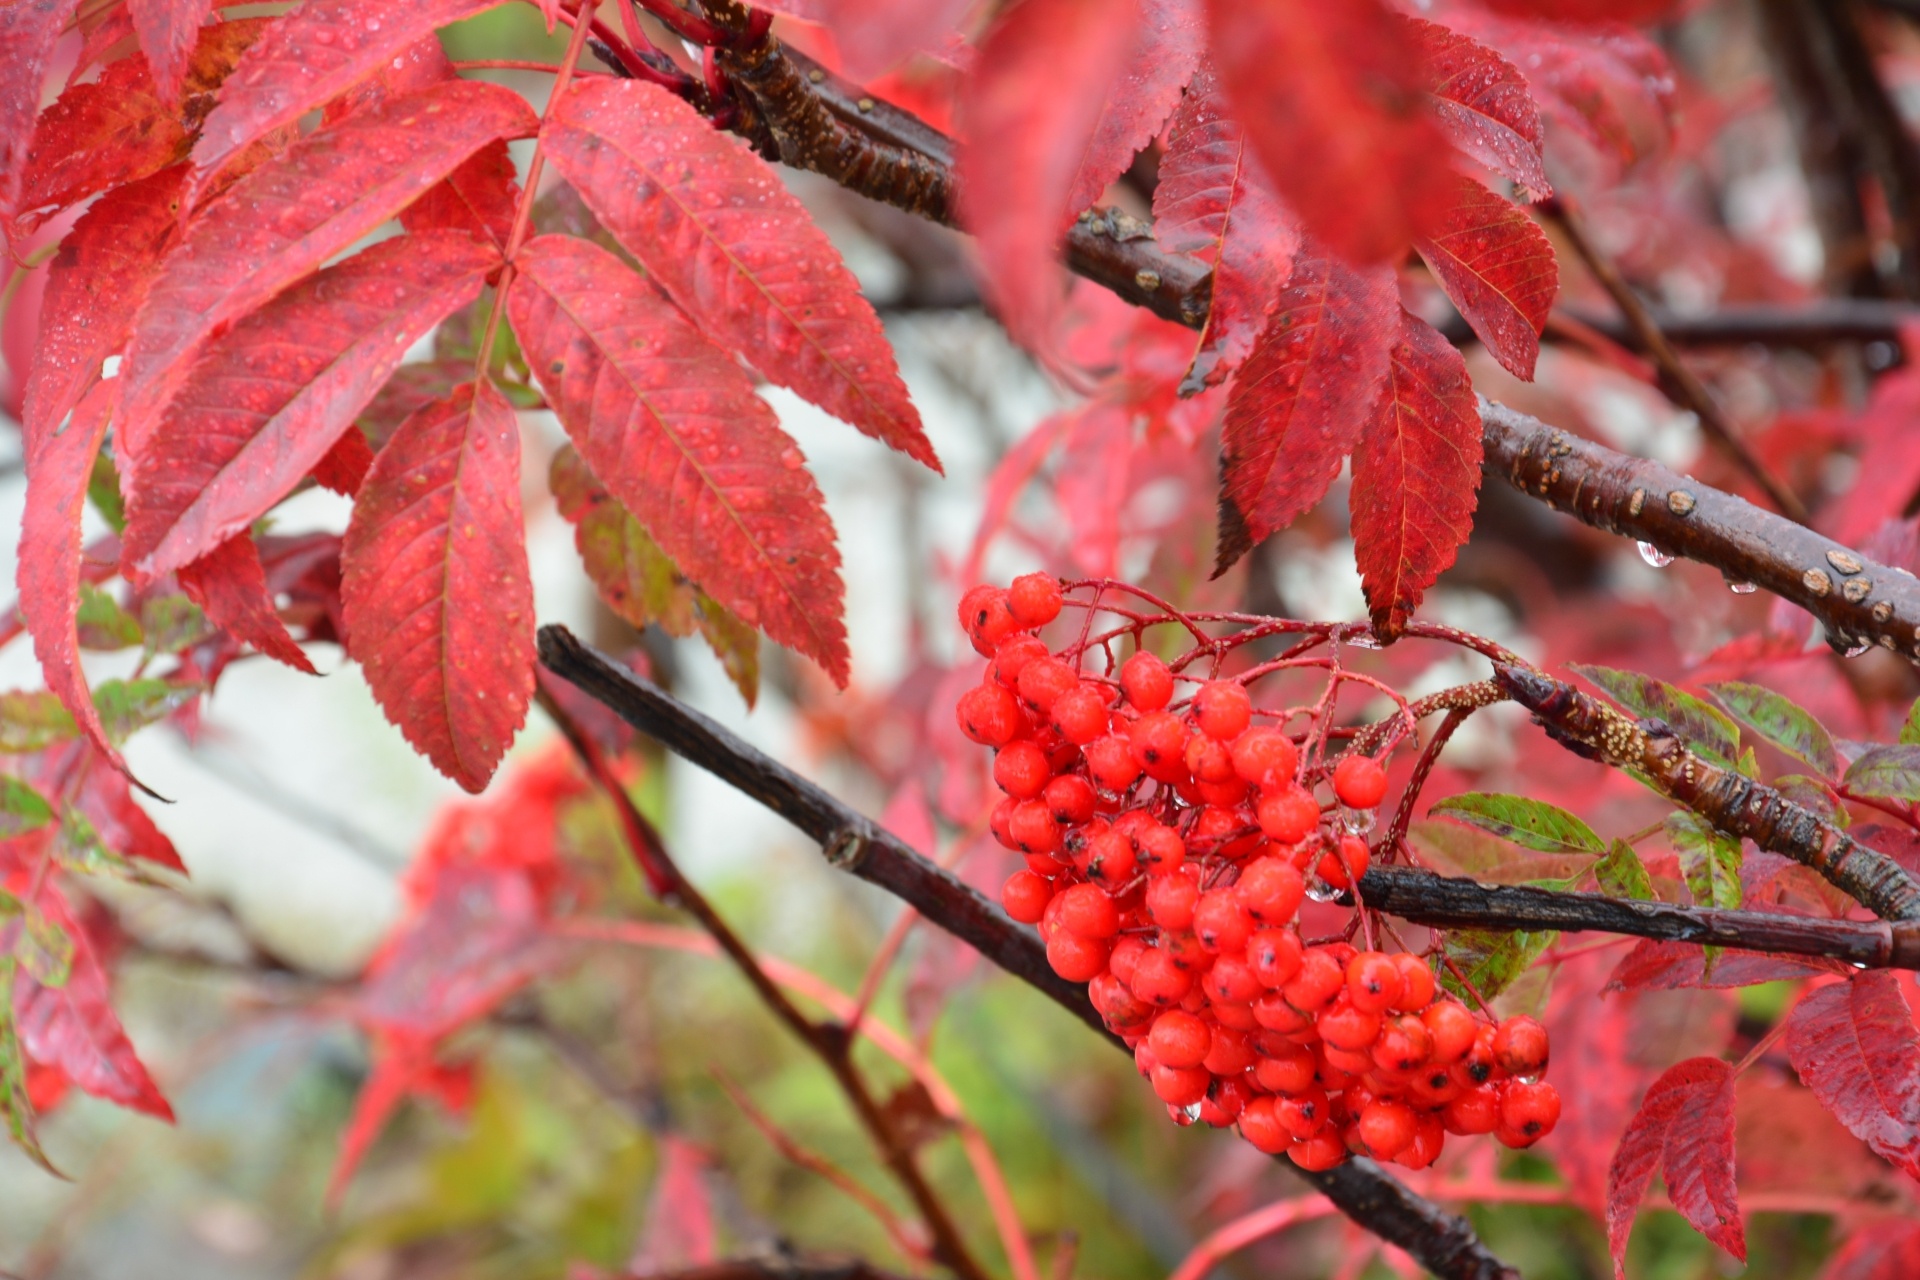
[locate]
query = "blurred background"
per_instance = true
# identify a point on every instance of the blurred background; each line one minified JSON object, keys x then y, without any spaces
{"x":587,"y":1128}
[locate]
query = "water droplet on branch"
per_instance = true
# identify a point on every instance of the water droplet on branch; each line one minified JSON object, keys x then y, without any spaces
{"x":1654,"y":555}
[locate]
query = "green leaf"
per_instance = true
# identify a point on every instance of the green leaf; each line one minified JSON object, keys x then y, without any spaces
{"x":1780,"y":721}
{"x":1812,"y":794}
{"x":129,"y":705}
{"x":14,"y":1102}
{"x":1706,"y":729}
{"x":1709,"y":860}
{"x":1454,"y":848}
{"x":1490,"y":959}
{"x":32,"y":722}
{"x":1622,"y":875}
{"x":43,"y":949}
{"x":736,"y":644}
{"x":22,"y":809}
{"x":79,"y":848}
{"x":1910,"y":730}
{"x":1748,"y":765}
{"x":1533,"y":824}
{"x":173,"y":623}
{"x":1891,"y":773}
{"x":103,"y":625}
{"x":103,"y":491}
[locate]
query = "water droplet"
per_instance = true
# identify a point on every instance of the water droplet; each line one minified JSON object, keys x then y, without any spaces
{"x":1742,"y":588}
{"x":1365,"y":642}
{"x":1855,"y":651}
{"x":1532,"y":1079}
{"x":1320,"y":891}
{"x":1654,"y":555}
{"x":1358,"y":821}
{"x":1184,"y":1116}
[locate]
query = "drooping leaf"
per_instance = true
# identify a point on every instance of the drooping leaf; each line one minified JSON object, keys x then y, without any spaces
{"x":672,"y":428}
{"x":1497,"y":266}
{"x":1877,"y":1251}
{"x":127,"y":706}
{"x":22,"y":809}
{"x":438,"y":596}
{"x":1302,"y":397}
{"x":1346,"y":131}
{"x":1621,"y":874}
{"x":167,"y":29}
{"x":1491,"y":959}
{"x":48,"y":578}
{"x":1093,"y":482}
{"x":1709,"y":860}
{"x":1213,"y":201}
{"x":1780,"y":721}
{"x":27,"y":36}
{"x":1705,"y":729}
{"x":1532,"y":824}
{"x":1684,"y":1128}
{"x":94,"y":284}
{"x":1416,"y":474}
{"x":1021,"y":151}
{"x":1483,"y":103}
{"x":15,"y":1103}
{"x":874,"y":35}
{"x":31,"y":722}
{"x":282,"y":386}
{"x":1668,"y":966}
{"x":320,"y":49}
{"x":1890,"y":772}
{"x":343,"y":468}
{"x":43,"y":949}
{"x":714,"y":225}
{"x":294,"y":212}
{"x":102,"y":624}
{"x":411,"y":386}
{"x":1166,"y":49}
{"x":173,"y":623}
{"x":1853,"y":1044}
{"x":78,"y":848}
{"x":736,"y":644}
{"x":230,"y":584}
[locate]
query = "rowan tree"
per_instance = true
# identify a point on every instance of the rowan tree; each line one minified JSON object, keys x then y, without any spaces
{"x":1585,"y":857}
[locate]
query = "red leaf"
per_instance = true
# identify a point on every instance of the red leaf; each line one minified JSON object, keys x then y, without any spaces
{"x":1594,"y":1037}
{"x":479,"y":198}
{"x":73,"y":1027}
{"x":1607,"y":11}
{"x":48,"y":578}
{"x":319,"y":50}
{"x":1303,"y":396}
{"x":1021,"y":149}
{"x":438,"y":596}
{"x":106,"y":799}
{"x":230,"y":585}
{"x":167,"y":29}
{"x":27,"y":35}
{"x":1497,"y":266}
{"x":717,"y":228}
{"x":1670,"y":966}
{"x":679,"y":1230}
{"x":670,"y":425}
{"x":1880,"y":1251}
{"x":873,"y":35}
{"x":94,"y":285}
{"x":294,"y":212}
{"x":345,"y":466}
{"x":1330,"y":95}
{"x":270,"y":398}
{"x":1483,"y":103}
{"x":1092,"y":484}
{"x":1214,"y":201}
{"x":1166,"y":49}
{"x":396,"y":1069}
{"x":1416,"y":474}
{"x":1854,"y":1045}
{"x":1684,"y":1127}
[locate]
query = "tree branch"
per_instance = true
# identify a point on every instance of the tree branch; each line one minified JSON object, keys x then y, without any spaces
{"x":1443,"y":1242}
{"x":777,"y":1266}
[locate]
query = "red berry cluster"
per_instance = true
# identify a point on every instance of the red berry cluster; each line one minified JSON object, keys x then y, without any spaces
{"x":1168,"y":848}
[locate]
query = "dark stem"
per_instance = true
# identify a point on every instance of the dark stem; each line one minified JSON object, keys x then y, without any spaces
{"x":776,"y":1266}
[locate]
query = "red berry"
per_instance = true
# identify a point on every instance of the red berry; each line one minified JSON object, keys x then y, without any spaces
{"x":1386,"y":1128}
{"x":1259,"y":1126}
{"x":1359,"y":782}
{"x":1021,"y":769}
{"x":1111,"y":860}
{"x":1477,"y":1065}
{"x":1034,"y":599}
{"x":1208,"y":759}
{"x":1146,"y":681}
{"x":1070,"y":798}
{"x":1304,"y":1113}
{"x":1223,"y":795}
{"x":1429,"y":1138}
{"x":1274,"y":956}
{"x":1322,"y":976}
{"x":1080,"y":714}
{"x":1126,"y":954}
{"x":1452,"y":1028}
{"x":1025,"y":896}
{"x":1290,"y":1070}
{"x":1289,"y":815}
{"x":989,"y":715}
{"x":1180,"y":1086}
{"x":1232,"y":981}
{"x":1530,"y":1109}
{"x":1160,"y":745}
{"x":1086,"y":909}
{"x":1344,"y":1025}
{"x":1373,"y":981}
{"x":1225,"y":1100}
{"x":1520,"y":1046}
{"x":1171,"y":900}
{"x":1122,"y":1011}
{"x":1222,"y":709}
{"x":1477,"y":1110}
{"x":1110,"y":763}
{"x":1158,"y":980}
{"x":974,"y":604}
{"x":1403,"y":1045}
{"x":1180,"y":1039}
{"x":1000,"y":821}
{"x":1265,"y":757}
{"x":1434,"y":1086}
{"x":1341,"y":869}
{"x":1184,"y":949}
{"x":1273,"y":1012}
{"x":1416,"y":983}
{"x":992,"y":621}
{"x":1032,"y":828}
{"x":1229,"y":1054}
{"x":1043,"y":680}
{"x":1013,"y":655}
{"x":1075,"y":957}
{"x":1221,"y":923}
{"x":1162,"y":851}
{"x":1271,"y":890}
{"x":1319,"y":1153}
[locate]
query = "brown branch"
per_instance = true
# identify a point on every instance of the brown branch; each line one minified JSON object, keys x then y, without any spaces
{"x":1858,"y":600}
{"x":1729,"y":801}
{"x":776,"y":1266}
{"x":1680,"y":382}
{"x":1443,"y":1242}
{"x":1883,"y":138}
{"x":828,"y":1042}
